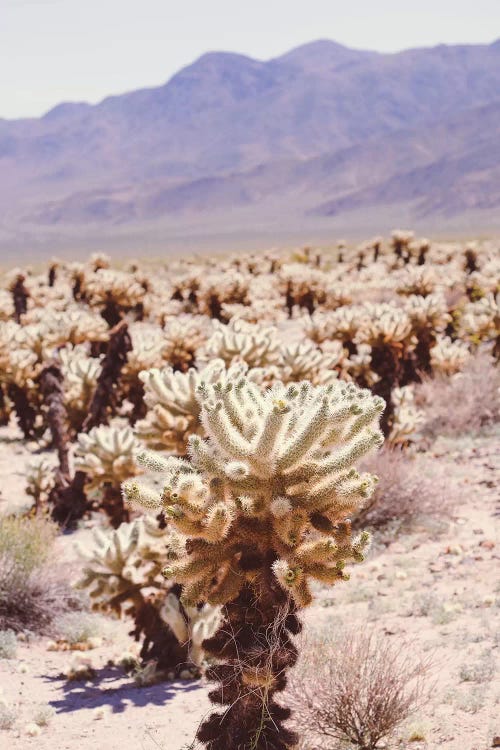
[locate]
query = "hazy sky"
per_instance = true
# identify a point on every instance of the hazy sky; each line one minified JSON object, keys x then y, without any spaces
{"x":83,"y":50}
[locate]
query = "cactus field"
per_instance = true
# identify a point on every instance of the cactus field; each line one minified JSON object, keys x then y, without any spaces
{"x":251,"y":502}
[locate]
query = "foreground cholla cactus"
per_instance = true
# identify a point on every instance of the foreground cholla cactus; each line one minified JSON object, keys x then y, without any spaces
{"x":264,"y":502}
{"x":122,"y":575}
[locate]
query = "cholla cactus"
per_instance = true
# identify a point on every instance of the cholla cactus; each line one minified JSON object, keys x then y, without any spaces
{"x":148,"y":346}
{"x":107,"y":457}
{"x":174,"y":409}
{"x":19,"y":368}
{"x":20,"y":293}
{"x":98,"y":261}
{"x":309,"y":288}
{"x":388,"y":331}
{"x":242,"y":342}
{"x":114,"y":293}
{"x":428,"y":312}
{"x":304,"y":361}
{"x":85,"y":326}
{"x":40,"y":481}
{"x":383,"y":325}
{"x":449,"y":357}
{"x":147,"y":351}
{"x":421,"y":280}
{"x":264,"y":304}
{"x":122,"y":575}
{"x":301,"y":361}
{"x":81,"y":373}
{"x":406,"y":417}
{"x":183,"y":336}
{"x":401,"y":240}
{"x":341,"y":325}
{"x":470,"y":258}
{"x":265,"y":502}
{"x":6,"y":305}
{"x":60,"y":323}
{"x":359,"y":367}
{"x":106,"y":395}
{"x":191,"y":625}
{"x":429,"y":317}
{"x":218,"y":289}
{"x":480,"y":321}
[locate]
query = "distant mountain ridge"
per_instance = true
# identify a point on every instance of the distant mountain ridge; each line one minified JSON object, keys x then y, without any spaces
{"x":322,"y":130}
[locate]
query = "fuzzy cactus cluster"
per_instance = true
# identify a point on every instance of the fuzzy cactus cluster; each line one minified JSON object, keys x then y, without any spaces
{"x":262,"y":510}
{"x":122,"y":575}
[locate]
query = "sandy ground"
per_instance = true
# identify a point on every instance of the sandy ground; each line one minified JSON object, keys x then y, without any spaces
{"x":436,"y":588}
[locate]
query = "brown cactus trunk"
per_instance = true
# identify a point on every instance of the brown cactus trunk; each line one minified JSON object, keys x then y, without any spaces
{"x":52,"y":274}
{"x":215,"y":307}
{"x":112,"y":504}
{"x":111,"y":312}
{"x":25,"y":413}
{"x":386,"y":362}
{"x":4,"y":412}
{"x":104,"y":399}
{"x":67,"y":498}
{"x":135,"y":394}
{"x":20,"y":298}
{"x":51,"y":379}
{"x":159,"y":641}
{"x":289,"y":299}
{"x":255,"y":650}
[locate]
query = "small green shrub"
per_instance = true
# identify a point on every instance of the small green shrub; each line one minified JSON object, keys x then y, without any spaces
{"x":78,"y":627}
{"x":44,"y":714}
{"x":8,"y":716}
{"x":32,"y":591}
{"x":444,"y":614}
{"x":481,"y":671}
{"x":26,"y":541}
{"x":8,"y":644}
{"x":471,"y":701}
{"x":423,"y":605}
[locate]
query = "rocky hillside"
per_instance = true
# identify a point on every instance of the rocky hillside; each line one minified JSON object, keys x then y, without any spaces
{"x":320,"y":131}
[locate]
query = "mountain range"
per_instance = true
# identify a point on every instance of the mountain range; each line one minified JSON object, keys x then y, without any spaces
{"x":322,"y":137}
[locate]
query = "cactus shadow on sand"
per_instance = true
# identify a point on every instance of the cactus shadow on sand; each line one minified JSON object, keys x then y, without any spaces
{"x":108,"y":689}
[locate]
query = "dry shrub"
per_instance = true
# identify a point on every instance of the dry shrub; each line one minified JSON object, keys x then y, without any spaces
{"x":410,"y":486}
{"x":26,"y":541}
{"x":463,"y":403}
{"x":32,"y":593}
{"x":358,"y":688}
